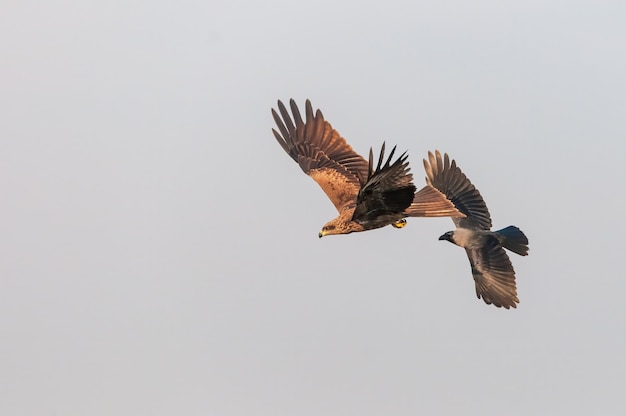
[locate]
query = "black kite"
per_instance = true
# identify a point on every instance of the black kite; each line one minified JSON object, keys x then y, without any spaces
{"x":366,"y":198}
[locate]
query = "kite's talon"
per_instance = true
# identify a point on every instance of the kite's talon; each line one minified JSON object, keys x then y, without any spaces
{"x":399,"y":224}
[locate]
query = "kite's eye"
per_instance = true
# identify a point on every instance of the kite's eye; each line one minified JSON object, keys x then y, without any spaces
{"x":328,"y":227}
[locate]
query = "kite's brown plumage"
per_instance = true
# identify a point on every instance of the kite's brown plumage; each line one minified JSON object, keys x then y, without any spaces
{"x":365,"y":196}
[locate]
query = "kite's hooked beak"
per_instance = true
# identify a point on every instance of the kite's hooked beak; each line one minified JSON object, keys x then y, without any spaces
{"x":321,"y":234}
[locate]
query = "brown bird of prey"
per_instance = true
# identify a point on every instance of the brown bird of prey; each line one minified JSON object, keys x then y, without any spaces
{"x":366,"y":198}
{"x":492,"y":270}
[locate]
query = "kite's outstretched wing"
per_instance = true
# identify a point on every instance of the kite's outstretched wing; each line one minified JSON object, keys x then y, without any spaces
{"x":321,"y":153}
{"x":388,"y":190}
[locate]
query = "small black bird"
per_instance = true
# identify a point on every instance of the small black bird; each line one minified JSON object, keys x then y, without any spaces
{"x":492,"y":270}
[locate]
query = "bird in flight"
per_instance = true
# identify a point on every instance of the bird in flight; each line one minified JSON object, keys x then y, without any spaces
{"x":492,"y":270}
{"x":365,"y":197}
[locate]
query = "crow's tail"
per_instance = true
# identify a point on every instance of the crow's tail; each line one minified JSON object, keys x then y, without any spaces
{"x":512,"y":238}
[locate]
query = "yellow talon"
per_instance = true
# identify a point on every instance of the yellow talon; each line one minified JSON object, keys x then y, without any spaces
{"x":399,"y":224}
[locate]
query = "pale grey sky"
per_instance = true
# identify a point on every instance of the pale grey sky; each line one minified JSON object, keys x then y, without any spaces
{"x":159,"y":250}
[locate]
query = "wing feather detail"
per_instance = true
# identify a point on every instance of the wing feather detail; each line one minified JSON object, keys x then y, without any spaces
{"x":448,"y":178}
{"x":387,"y":191}
{"x":321,"y":152}
{"x":493,"y":274}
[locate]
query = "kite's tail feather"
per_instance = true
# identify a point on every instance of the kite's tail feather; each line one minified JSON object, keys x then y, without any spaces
{"x":512,"y":238}
{"x":429,"y":202}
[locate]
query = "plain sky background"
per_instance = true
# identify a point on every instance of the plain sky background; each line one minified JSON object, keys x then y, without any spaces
{"x":159,"y":250}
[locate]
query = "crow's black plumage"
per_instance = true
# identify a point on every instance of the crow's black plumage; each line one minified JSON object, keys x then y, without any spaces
{"x":492,"y":270}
